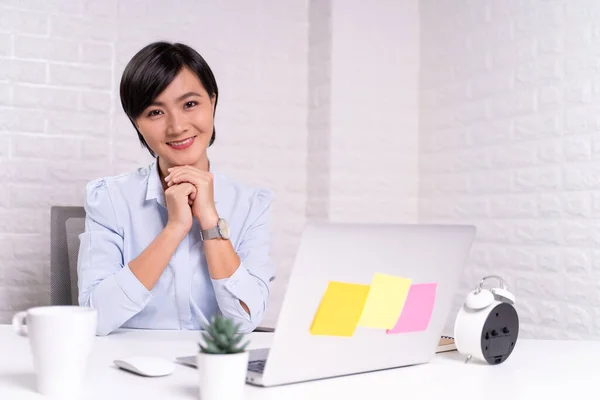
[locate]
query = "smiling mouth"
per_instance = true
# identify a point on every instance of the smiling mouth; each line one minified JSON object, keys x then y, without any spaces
{"x":181,"y":142}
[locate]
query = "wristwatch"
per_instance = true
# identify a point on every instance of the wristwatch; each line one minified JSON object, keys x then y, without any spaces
{"x":220,"y":231}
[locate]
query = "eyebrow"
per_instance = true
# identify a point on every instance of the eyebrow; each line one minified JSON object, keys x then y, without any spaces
{"x":180,"y":98}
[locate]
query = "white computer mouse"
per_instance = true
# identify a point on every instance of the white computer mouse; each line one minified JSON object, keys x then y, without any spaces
{"x":146,"y":365}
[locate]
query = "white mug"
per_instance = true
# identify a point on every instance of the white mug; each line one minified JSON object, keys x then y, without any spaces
{"x":61,"y":339}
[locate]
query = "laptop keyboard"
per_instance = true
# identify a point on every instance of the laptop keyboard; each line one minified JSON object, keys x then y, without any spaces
{"x":257,"y":366}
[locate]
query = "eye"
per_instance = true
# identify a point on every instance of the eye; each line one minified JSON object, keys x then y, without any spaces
{"x":152,"y":113}
{"x":190,"y":104}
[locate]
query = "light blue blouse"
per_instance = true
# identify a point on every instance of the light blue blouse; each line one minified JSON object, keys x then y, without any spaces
{"x":125,"y":213}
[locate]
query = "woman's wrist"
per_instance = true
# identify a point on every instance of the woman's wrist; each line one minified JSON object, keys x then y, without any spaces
{"x":175,"y":231}
{"x":208,"y":218}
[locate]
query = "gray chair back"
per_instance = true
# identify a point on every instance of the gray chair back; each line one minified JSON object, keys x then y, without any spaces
{"x":66,"y":224}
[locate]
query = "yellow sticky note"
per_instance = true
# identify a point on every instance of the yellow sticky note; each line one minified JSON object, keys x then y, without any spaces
{"x":385,"y":301}
{"x":340,"y":309}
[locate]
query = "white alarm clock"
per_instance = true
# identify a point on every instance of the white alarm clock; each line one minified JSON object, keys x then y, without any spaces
{"x":487,"y":326}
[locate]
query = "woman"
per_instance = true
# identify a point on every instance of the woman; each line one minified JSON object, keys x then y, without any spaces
{"x":169,"y":245}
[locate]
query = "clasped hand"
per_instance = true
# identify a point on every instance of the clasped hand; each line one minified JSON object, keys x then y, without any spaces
{"x":190,"y":194}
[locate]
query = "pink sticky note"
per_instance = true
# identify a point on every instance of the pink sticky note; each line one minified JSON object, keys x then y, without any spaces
{"x":417,"y":310}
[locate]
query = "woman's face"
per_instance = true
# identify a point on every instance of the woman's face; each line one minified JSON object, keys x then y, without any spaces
{"x":178,"y":125}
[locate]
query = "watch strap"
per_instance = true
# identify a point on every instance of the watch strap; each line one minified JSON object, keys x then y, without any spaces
{"x":211,"y":233}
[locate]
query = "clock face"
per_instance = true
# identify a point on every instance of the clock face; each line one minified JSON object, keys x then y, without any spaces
{"x":224,"y":228}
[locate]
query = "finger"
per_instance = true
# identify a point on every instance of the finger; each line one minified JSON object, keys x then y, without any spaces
{"x":174,"y":170}
{"x":178,"y":178}
{"x":181,"y":179}
{"x":193,"y":170}
{"x":190,"y":188}
{"x":171,"y":172}
{"x":185,"y":176}
{"x":175,"y":178}
{"x":184,"y":189}
{"x":171,"y":177}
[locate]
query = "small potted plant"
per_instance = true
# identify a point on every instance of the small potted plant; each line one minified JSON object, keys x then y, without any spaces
{"x":222,"y":361}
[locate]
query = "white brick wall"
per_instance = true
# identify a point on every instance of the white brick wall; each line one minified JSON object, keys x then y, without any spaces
{"x":319,"y":110}
{"x":374,"y":111}
{"x":61,"y":123}
{"x":509,"y":142}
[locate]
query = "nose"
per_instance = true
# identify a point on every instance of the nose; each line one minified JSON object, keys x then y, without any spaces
{"x":175,"y":124}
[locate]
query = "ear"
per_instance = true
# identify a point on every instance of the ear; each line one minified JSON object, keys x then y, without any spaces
{"x":213,"y":101}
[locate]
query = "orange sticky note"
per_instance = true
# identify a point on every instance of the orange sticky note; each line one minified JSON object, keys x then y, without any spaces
{"x":386,"y":298}
{"x":417,"y":309}
{"x":340,"y":309}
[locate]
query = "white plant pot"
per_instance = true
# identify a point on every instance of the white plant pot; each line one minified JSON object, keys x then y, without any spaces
{"x":222,"y":376}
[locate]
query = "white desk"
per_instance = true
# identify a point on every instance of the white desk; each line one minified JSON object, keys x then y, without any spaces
{"x":536,"y":370}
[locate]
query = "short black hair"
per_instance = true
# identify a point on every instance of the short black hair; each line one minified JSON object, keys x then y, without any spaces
{"x":152,"y":69}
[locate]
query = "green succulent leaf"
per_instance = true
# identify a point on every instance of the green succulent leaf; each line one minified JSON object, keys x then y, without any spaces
{"x":207,"y":338}
{"x":222,"y":336}
{"x":212,"y":330}
{"x":236,"y":340}
{"x":229,"y":329}
{"x":212,"y":348}
{"x":223,"y":340}
{"x":219,"y":324}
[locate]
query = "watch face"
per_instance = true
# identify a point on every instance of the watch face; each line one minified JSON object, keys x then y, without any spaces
{"x":223,"y":228}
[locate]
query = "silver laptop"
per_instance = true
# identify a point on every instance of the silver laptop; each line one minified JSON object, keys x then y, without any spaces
{"x":398,"y":281}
